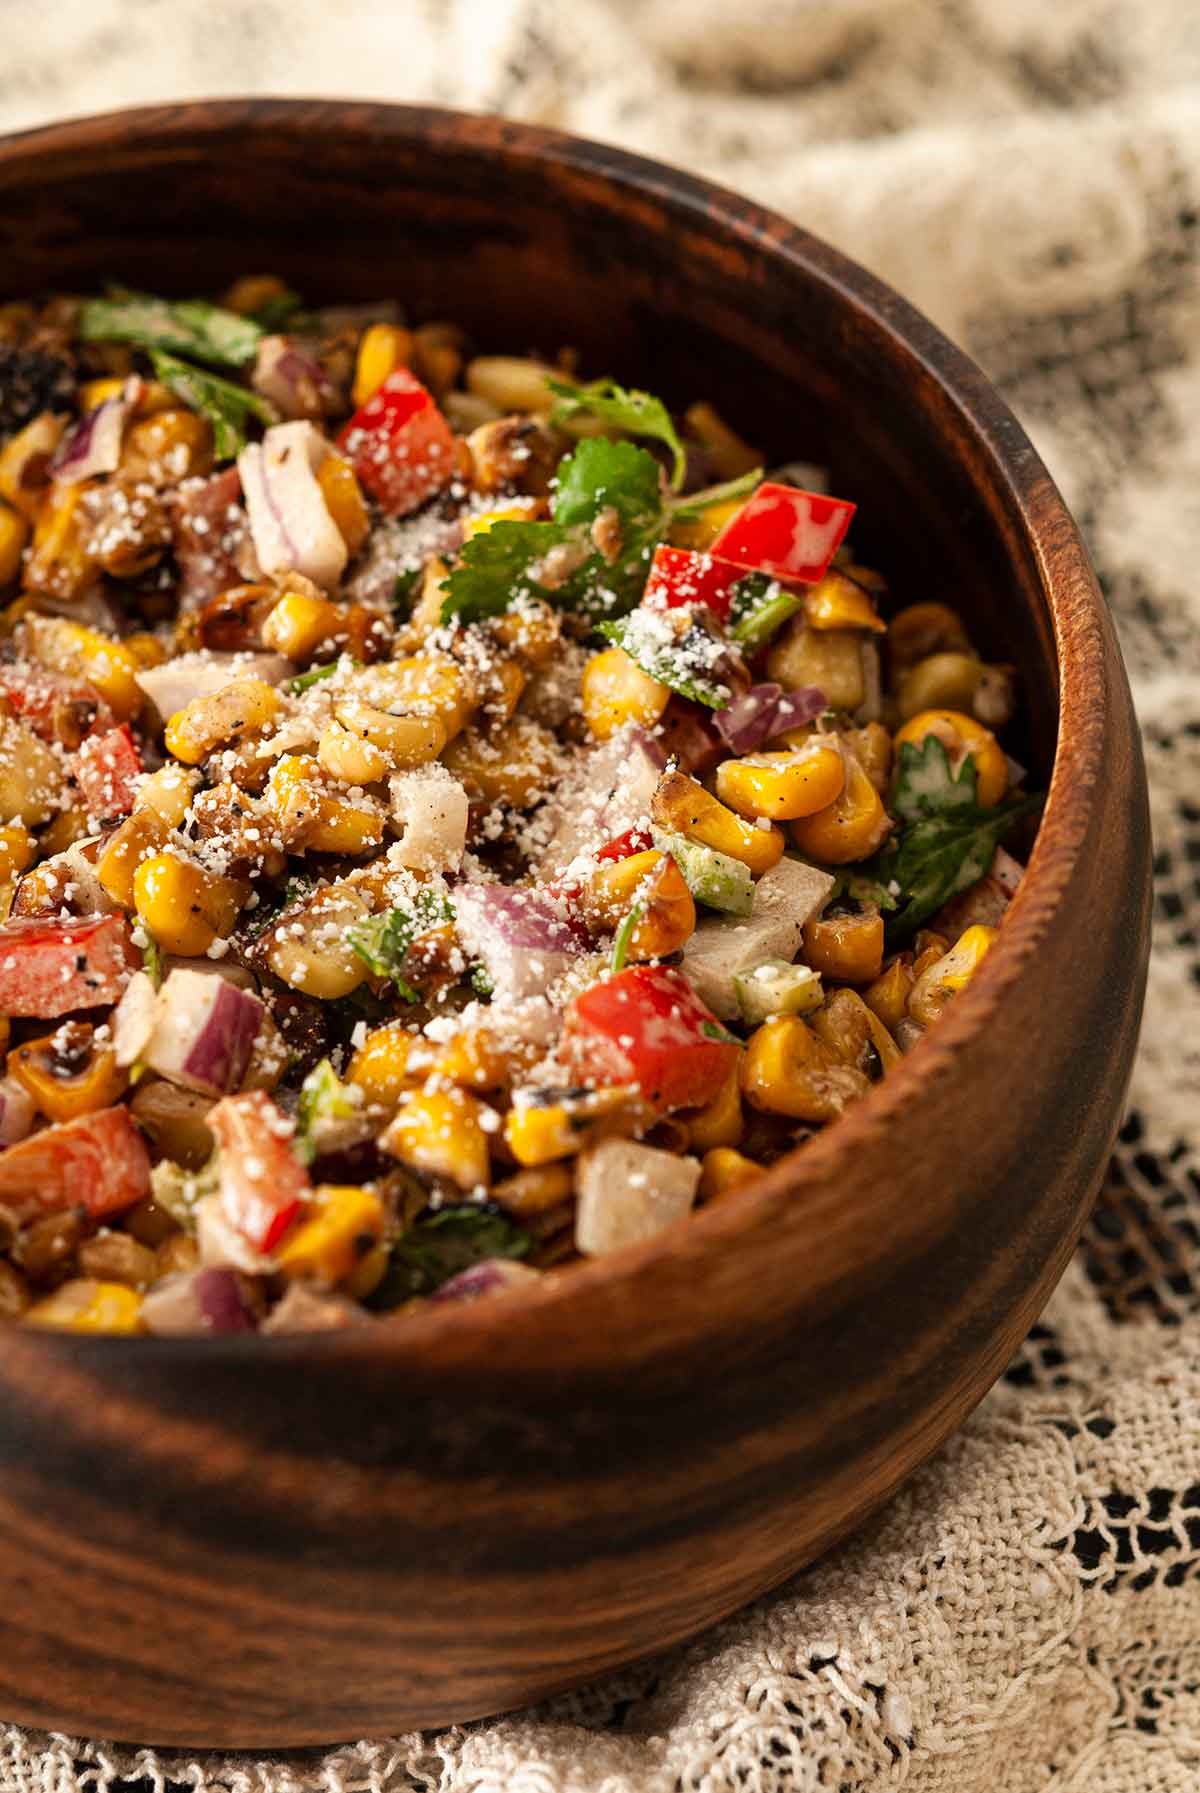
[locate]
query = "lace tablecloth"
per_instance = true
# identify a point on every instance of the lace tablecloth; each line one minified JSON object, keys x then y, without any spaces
{"x":1026,"y":1614}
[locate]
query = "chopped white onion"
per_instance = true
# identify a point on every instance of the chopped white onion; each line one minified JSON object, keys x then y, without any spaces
{"x":134,"y":1018}
{"x":786,"y":897}
{"x":200,"y":674}
{"x":290,"y":522}
{"x":628,"y":1192}
{"x":433,"y":809}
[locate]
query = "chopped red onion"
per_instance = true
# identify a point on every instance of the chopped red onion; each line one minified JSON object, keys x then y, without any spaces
{"x":221,"y":1301}
{"x":201,"y":1301}
{"x":16,"y":1112}
{"x":293,"y":380}
{"x":204,"y":1032}
{"x":484,"y":1279}
{"x":523,"y":936}
{"x":94,"y":445}
{"x":289,"y":520}
{"x":765,"y":711}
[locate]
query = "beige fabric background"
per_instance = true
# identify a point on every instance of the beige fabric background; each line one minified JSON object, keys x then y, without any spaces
{"x":1026,"y":1615}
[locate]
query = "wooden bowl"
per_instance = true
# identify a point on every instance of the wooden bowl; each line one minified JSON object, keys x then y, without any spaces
{"x":295,"y":1540}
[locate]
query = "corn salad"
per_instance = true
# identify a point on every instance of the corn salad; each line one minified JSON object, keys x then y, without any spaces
{"x":455,"y":816}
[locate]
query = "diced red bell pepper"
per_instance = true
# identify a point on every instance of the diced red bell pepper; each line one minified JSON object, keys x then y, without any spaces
{"x":98,"y":1161}
{"x":786,"y":533}
{"x":263,"y":1183}
{"x":681,"y":576}
{"x":48,"y":968}
{"x":634,"y":840}
{"x":55,"y":708}
{"x":647,"y":1026}
{"x":401,"y":446}
{"x":106,"y":769}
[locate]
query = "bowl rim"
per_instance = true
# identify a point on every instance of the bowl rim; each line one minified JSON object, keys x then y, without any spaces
{"x":1012,"y":471}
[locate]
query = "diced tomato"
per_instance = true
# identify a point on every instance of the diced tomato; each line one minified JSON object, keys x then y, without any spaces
{"x":106,"y":769}
{"x":634,"y":840}
{"x":680,"y":576}
{"x":98,"y":1161}
{"x":401,"y":446}
{"x":647,"y":1026}
{"x":55,"y":708}
{"x":48,"y":968}
{"x":786,"y":533}
{"x":263,"y":1183}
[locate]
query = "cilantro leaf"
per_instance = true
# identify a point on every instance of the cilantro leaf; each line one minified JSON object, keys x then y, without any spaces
{"x":675,"y":663}
{"x":946,"y":840}
{"x":602,"y":473}
{"x":383,"y":943}
{"x":226,"y":406}
{"x":184,"y":326}
{"x":439,"y":1245}
{"x":404,"y":592}
{"x":636,"y":413}
{"x":497,"y":566}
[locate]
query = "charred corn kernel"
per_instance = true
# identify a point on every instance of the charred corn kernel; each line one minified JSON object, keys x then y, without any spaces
{"x":436,"y":357}
{"x":730,"y":455}
{"x":927,"y":950}
{"x":846,"y":948}
{"x":786,"y":1069}
{"x":183,"y":906}
{"x":855,"y":1035}
{"x":888,"y":996}
{"x":830,"y":659}
{"x":252,"y":292}
{"x":368,"y":1273}
{"x":948,"y":975}
{"x":782,"y":786}
{"x":441,"y":1135}
{"x":240,"y":708}
{"x":961,"y":735}
{"x":512,"y":764}
{"x":146,"y":649}
{"x":85,"y":1305}
{"x":24,"y":462}
{"x":17,"y":850}
{"x":115,"y":1257}
{"x":82,"y":653}
{"x":169,"y":445}
{"x":298,"y":624}
{"x":42,"y":1068}
{"x":310,"y":818}
{"x":380,"y":1067}
{"x":309,"y":949}
{"x":615,"y":691}
{"x":140,"y":835}
{"x":382,"y":349}
{"x":511,"y":383}
{"x":532,"y":630}
{"x":946,"y":681}
{"x":521,"y":510}
{"x":681,"y":803}
{"x":923,"y":629}
{"x":538,"y":1132}
{"x":537,"y":1189}
{"x":478,"y":1059}
{"x":14,"y":534}
{"x":654,"y":882}
{"x":722,"y":1168}
{"x":872,"y":748}
{"x":168,"y":792}
{"x":852,"y":827}
{"x":344,"y":500}
{"x":720,"y":1124}
{"x":836,"y":602}
{"x":428,"y":685}
{"x":31,"y":778}
{"x":60,"y":561}
{"x":344,"y":1224}
{"x":349,"y":758}
{"x":699,"y":533}
{"x":68,"y":826}
{"x":403,"y":741}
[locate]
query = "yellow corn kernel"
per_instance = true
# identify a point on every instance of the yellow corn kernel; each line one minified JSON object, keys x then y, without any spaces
{"x":846,"y":948}
{"x":168,"y":792}
{"x":961,"y":735}
{"x":938,"y":982}
{"x":855,"y":1034}
{"x":60,"y":561}
{"x":923,"y":629}
{"x":312,"y":820}
{"x":722,"y":1169}
{"x":87,"y":1306}
{"x":146,"y":649}
{"x":368,"y":1273}
{"x":94,"y":393}
{"x":511,"y":382}
{"x":830,"y":659}
{"x":308,"y":947}
{"x":344,"y":1224}
{"x":532,"y":631}
{"x":428,"y":685}
{"x":382,"y":349}
{"x":31,"y":778}
{"x":349,"y":758}
{"x":699,"y":533}
{"x":615,"y":691}
{"x":787,"y":1070}
{"x":139,"y":836}
{"x":521,"y":510}
{"x":512,"y":764}
{"x":183,"y":906}
{"x":82,"y":653}
{"x":538,"y":1133}
{"x":836,"y":602}
{"x":344,"y":500}
{"x":536,"y":1190}
{"x":441,"y":1135}
{"x":478,"y":1059}
{"x":169,"y":444}
{"x":298,"y":624}
{"x":14,"y":533}
{"x":380,"y":1067}
{"x":887,"y":997}
{"x":782,"y":786}
{"x":240,"y":708}
{"x":729,"y":454}
{"x":68,"y":826}
{"x":501,"y":690}
{"x":403,"y":741}
{"x":24,"y":461}
{"x":653,"y":881}
{"x":683,"y":804}
{"x":852,"y":827}
{"x":17,"y":851}
{"x":946,"y":681}
{"x":872,"y":748}
{"x":720,"y":1124}
{"x":37,"y":1067}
